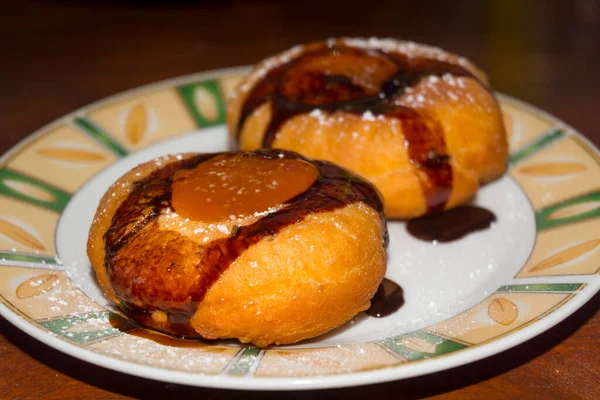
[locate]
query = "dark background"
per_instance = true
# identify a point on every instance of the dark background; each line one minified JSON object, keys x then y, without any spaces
{"x":56,"y":56}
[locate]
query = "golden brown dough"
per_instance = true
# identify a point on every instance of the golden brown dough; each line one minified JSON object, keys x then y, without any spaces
{"x":295,"y":270}
{"x":419,"y":123}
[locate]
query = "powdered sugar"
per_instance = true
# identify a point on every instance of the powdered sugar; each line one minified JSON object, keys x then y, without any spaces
{"x":389,"y":45}
{"x":368,"y":116}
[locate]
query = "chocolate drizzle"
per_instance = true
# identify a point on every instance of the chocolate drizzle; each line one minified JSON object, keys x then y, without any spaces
{"x":133,"y":279}
{"x":306,"y":83}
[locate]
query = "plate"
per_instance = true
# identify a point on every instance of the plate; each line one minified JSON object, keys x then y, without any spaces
{"x":464,"y":300}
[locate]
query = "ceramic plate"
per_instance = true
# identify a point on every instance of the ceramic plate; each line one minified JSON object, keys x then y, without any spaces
{"x":465,"y":300}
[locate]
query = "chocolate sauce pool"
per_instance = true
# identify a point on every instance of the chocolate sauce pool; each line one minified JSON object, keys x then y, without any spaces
{"x":387,"y":300}
{"x":450,"y":225}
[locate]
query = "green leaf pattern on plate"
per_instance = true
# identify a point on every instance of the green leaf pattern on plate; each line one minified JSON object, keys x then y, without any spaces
{"x":205,"y":102}
{"x":73,"y":328}
{"x":102,"y":137}
{"x":420,"y":345}
{"x":31,"y":190}
{"x":535,"y":146}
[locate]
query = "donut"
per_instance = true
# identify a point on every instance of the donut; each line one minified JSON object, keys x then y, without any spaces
{"x":267,"y":247}
{"x":419,"y":123}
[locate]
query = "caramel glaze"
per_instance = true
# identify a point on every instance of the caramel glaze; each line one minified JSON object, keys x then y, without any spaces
{"x":334,"y":187}
{"x":301,"y":85}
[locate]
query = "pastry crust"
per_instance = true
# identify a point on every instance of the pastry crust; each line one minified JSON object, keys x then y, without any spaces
{"x":305,"y":279}
{"x":376,"y":145}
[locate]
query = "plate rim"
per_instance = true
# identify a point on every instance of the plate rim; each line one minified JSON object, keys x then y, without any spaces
{"x":385,"y":374}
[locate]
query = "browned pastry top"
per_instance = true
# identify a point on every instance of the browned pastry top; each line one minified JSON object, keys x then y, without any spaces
{"x":168,"y":272}
{"x":335,"y":76}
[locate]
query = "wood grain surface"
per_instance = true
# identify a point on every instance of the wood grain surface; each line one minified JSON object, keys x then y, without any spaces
{"x":57,"y":56}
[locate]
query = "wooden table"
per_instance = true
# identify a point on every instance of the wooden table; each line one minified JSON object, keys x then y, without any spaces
{"x":57,"y":56}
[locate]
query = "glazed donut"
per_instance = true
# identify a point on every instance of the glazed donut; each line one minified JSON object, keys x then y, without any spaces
{"x":421,"y":124}
{"x":266,"y":247}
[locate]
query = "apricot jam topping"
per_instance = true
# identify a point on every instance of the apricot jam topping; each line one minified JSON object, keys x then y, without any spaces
{"x":238,"y":185}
